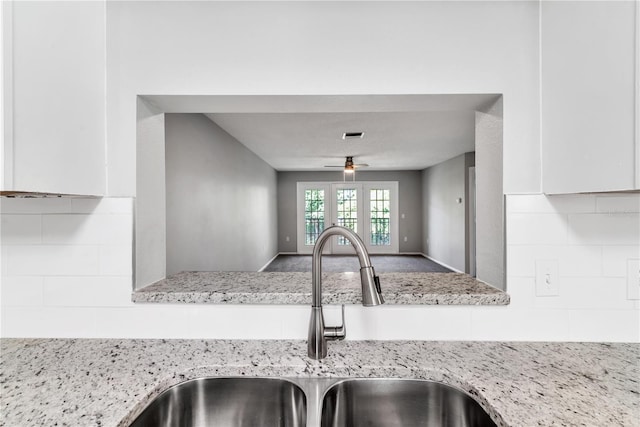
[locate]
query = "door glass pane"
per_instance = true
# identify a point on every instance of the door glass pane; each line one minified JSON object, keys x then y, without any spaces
{"x":347,"y":211}
{"x":313,"y":215}
{"x":380,"y":231}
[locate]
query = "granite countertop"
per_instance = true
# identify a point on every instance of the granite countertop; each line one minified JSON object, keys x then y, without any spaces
{"x":337,"y":288}
{"x":101,"y":382}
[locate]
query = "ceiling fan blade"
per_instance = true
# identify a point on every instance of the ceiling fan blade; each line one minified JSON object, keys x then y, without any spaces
{"x":361,"y":165}
{"x":334,"y":166}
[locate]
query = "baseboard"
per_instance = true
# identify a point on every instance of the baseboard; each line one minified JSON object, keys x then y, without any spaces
{"x":268,"y":262}
{"x":442,"y":263}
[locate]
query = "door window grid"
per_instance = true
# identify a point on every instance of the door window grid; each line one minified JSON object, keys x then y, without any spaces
{"x":379,"y":217}
{"x":313,"y":215}
{"x":347,"y":200}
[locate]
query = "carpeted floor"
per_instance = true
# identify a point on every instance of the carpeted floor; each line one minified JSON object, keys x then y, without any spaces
{"x":342,"y":263}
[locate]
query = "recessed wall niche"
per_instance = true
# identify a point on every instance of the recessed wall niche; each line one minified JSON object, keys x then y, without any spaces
{"x":154,"y":260}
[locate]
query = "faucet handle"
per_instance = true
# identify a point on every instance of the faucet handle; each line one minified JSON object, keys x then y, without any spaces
{"x":376,"y":280}
{"x":336,"y":332}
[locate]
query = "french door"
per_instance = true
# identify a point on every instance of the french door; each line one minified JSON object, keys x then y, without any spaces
{"x":370,"y":209}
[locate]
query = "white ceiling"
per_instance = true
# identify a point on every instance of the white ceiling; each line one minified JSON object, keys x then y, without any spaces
{"x":410,"y":140}
{"x":304,"y":132}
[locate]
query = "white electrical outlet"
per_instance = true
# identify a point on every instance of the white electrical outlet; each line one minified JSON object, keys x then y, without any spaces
{"x":287,"y":238}
{"x":547,"y":284}
{"x":405,"y":238}
{"x":633,"y":278}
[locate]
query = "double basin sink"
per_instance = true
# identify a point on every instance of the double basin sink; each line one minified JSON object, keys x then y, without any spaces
{"x":298,"y":402}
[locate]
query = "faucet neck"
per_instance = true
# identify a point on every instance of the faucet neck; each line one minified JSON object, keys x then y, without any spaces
{"x":370,"y":286}
{"x":318,"y":332}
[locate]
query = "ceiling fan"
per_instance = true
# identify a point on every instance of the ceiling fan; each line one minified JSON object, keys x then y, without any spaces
{"x":349,"y":166}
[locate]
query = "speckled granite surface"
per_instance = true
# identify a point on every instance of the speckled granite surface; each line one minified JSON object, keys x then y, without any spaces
{"x":64,"y":382}
{"x":337,"y":288}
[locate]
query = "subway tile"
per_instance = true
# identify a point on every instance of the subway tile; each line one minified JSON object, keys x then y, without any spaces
{"x":4,"y":260}
{"x":521,"y":290}
{"x":614,"y":259}
{"x":408,"y":322}
{"x":509,"y":324}
{"x":589,"y":293}
{"x":116,"y":260}
{"x":295,"y":321}
{"x":21,"y":291}
{"x":580,"y":261}
{"x":21,"y":229}
{"x":521,"y":259}
{"x":48,"y":322}
{"x":604,"y":325}
{"x":143,"y":321}
{"x":604,"y":229}
{"x":235,"y":322}
{"x":104,"y":205}
{"x":536,"y":229}
{"x":87,"y":229}
{"x":540,"y":203}
{"x":36,"y":205}
{"x":52,"y":260}
{"x":87,"y":291}
{"x":619,"y":203}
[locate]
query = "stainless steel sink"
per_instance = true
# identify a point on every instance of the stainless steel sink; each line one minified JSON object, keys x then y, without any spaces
{"x":227,"y":402}
{"x":398,"y":402}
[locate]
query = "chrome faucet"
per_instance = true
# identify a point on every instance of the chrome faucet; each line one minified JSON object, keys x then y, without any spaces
{"x":371,"y":293}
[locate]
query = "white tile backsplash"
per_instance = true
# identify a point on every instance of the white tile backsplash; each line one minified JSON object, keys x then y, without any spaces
{"x":627,"y":203}
{"x":35,"y":205}
{"x":87,"y":291}
{"x":408,"y":322}
{"x":604,"y":325}
{"x":52,"y":260}
{"x":589,"y":293}
{"x":614,"y":259}
{"x":22,"y":291}
{"x":46,"y":322}
{"x":76,"y":281}
{"x":102,"y":206}
{"x":536,"y":229}
{"x":116,"y":260}
{"x":83,"y":229}
{"x":604,"y":229}
{"x":580,"y":261}
{"x":535,"y":203}
{"x":509,"y":324}
{"x":21,"y":229}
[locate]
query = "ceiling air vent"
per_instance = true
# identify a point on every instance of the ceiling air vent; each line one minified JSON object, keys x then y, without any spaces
{"x":352,"y":135}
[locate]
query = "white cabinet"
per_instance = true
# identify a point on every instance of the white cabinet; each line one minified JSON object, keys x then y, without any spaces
{"x":588,"y":96}
{"x":54,"y":97}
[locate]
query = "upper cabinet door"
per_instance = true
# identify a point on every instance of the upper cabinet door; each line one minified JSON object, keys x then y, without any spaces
{"x":54,"y":97}
{"x":588,"y":96}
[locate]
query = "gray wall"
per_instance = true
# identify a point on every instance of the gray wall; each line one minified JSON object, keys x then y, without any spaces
{"x":444,"y":218}
{"x":220,"y":199}
{"x":409,"y":203}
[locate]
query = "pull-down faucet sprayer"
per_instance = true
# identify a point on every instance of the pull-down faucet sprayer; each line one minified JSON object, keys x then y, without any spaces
{"x":371,"y":293}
